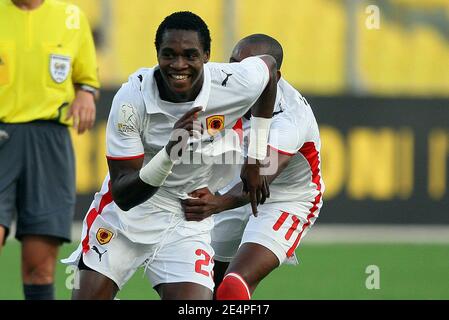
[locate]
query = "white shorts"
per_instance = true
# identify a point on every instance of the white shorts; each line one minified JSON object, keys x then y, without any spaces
{"x":182,"y":254}
{"x":279,"y":227}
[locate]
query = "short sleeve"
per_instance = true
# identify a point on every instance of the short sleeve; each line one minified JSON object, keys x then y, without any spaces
{"x":123,"y":131}
{"x":85,"y":69}
{"x":286,"y":134}
{"x":251,"y":76}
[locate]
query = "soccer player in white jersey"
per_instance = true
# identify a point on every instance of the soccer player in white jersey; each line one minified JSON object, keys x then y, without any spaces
{"x":265,"y":242}
{"x":136,"y":219}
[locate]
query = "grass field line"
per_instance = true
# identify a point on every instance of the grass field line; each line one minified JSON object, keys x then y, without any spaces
{"x":344,"y":233}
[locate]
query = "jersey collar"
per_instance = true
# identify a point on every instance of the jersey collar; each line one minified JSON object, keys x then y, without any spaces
{"x":151,"y":92}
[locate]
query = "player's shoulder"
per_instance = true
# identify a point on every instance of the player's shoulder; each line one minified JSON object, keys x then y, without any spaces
{"x":136,"y":80}
{"x":242,"y":78}
{"x":131,"y":90}
{"x":291,"y":95}
{"x":293,"y":104}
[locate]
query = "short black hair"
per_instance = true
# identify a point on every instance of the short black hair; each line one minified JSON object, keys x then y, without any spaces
{"x":273,"y":46}
{"x":184,"y":20}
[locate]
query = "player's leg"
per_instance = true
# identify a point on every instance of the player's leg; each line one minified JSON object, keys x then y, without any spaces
{"x":46,"y":190}
{"x":252,"y":263}
{"x":182,"y":267}
{"x":226,"y":237}
{"x":106,"y":257}
{"x":93,"y":285}
{"x":39,"y":255}
{"x":183,"y":291}
{"x":268,"y":241}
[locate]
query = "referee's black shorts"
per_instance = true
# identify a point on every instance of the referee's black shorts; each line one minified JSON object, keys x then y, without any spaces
{"x":37,"y":179}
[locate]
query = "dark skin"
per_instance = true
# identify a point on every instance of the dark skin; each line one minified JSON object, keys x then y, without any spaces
{"x":252,"y":261}
{"x":180,"y":77}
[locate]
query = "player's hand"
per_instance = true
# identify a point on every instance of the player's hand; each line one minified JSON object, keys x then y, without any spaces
{"x":206,"y":205}
{"x":254,"y":184}
{"x":83,"y":111}
{"x":184,"y":128}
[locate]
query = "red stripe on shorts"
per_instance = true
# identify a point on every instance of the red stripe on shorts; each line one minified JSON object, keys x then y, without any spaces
{"x":292,"y":228}
{"x":94,"y":213}
{"x":280,"y":221}
{"x":309,"y":152}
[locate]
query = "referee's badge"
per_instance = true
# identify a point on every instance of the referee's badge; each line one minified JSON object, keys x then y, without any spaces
{"x":214,"y":124}
{"x":104,"y":236}
{"x":59,"y":67}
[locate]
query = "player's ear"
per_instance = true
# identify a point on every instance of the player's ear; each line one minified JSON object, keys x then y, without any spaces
{"x":206,"y":57}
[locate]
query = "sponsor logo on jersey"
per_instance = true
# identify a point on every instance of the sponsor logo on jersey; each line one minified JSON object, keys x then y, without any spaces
{"x":126,"y":118}
{"x":104,"y":236}
{"x":59,"y":67}
{"x":215,"y":124}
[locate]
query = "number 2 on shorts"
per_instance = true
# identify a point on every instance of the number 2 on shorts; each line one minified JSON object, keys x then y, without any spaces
{"x":202,"y":262}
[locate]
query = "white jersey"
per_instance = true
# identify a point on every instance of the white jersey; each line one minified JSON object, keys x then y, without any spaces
{"x":295,"y":195}
{"x":294,"y":132}
{"x":140,"y":124}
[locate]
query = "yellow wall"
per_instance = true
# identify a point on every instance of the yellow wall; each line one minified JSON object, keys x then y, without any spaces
{"x":398,"y":58}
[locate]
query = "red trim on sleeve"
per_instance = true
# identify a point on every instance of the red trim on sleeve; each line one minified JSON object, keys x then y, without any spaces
{"x":309,"y":152}
{"x":94,"y":213}
{"x":125,"y":158}
{"x":281,"y":152}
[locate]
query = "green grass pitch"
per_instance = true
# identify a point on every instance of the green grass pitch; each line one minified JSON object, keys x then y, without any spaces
{"x":326,"y":271}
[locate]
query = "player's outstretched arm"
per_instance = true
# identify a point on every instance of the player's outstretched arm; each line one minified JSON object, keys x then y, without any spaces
{"x":133,"y":184}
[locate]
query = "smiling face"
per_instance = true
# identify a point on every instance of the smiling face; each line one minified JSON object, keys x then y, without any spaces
{"x":181,"y":60}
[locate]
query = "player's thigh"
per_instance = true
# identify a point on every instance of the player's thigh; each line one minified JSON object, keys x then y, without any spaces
{"x":47,"y":187}
{"x":279,"y":228}
{"x":253,"y":263}
{"x":183,"y":291}
{"x":108,"y":251}
{"x":93,"y":285}
{"x":228,"y":231}
{"x":184,"y":258}
{"x":39,"y":254}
